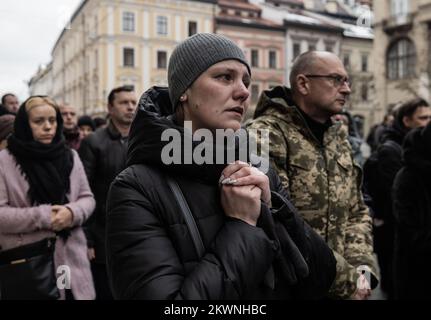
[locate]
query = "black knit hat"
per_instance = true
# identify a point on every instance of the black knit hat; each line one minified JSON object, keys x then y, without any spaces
{"x":86,"y":121}
{"x":195,"y":55}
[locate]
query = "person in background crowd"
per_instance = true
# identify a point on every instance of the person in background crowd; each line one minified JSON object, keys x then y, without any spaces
{"x":9,"y":104}
{"x":412,"y":212}
{"x":71,"y":130}
{"x":254,"y":243}
{"x":412,"y":114}
{"x":375,"y":135}
{"x":103,"y":154}
{"x":314,"y":160}
{"x":44,"y":192}
{"x":354,"y":138}
{"x":6,"y":129}
{"x":100,"y":122}
{"x":86,"y":126}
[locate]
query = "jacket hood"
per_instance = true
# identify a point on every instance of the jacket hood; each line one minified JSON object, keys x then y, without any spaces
{"x":153,"y":118}
{"x":417,"y":149}
{"x":394,"y":132}
{"x":278,"y":103}
{"x":276,"y":99}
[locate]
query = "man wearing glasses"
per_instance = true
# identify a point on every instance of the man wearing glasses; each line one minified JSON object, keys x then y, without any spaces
{"x":313,"y":158}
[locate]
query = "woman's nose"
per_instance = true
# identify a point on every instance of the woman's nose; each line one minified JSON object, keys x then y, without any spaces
{"x":241,"y":91}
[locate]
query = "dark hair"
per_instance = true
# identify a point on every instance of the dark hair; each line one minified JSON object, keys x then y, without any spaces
{"x":86,"y":121}
{"x":408,"y":108}
{"x":99,"y":121}
{"x":111,"y":96}
{"x":3,"y":98}
{"x":303,"y":63}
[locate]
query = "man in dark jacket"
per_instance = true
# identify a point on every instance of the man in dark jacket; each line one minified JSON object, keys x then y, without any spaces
{"x":412,"y":114}
{"x":104,"y":156}
{"x":412,"y":212}
{"x":70,"y":126}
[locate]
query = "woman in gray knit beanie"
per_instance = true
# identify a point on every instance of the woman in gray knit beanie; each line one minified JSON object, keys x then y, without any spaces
{"x":199,"y":68}
{"x":182,"y":228}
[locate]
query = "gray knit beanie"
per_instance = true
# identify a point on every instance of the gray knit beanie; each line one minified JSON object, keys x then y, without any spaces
{"x":195,"y":55}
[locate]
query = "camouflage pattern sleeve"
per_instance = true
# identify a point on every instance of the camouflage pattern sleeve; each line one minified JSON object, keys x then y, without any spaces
{"x":358,"y":245}
{"x":277,"y":146}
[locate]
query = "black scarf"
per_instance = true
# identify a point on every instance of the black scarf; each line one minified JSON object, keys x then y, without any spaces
{"x":46,"y":167}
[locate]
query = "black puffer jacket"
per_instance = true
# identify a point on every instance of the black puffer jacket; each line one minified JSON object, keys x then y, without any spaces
{"x":103,"y":155}
{"x":412,"y":209}
{"x":150,"y":251}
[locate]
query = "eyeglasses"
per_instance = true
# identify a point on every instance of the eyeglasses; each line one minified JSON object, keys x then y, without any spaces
{"x":337,"y":80}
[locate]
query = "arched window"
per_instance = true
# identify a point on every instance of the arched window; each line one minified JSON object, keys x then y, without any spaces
{"x":401,"y":59}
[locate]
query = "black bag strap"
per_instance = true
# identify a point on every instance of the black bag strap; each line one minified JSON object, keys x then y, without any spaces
{"x":187,"y":214}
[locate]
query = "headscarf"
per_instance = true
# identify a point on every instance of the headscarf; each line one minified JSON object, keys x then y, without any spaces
{"x":46,"y":167}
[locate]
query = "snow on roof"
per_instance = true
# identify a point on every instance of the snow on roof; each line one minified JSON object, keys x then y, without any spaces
{"x":357,"y":31}
{"x":301,"y":19}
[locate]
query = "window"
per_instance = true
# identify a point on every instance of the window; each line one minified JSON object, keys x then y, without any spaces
{"x":328,"y":47}
{"x":296,"y":50}
{"x":272,"y":59}
{"x":96,"y":59}
{"x":255,"y":58}
{"x":128,"y":57}
{"x":364,"y":63}
{"x":161,"y":59}
{"x":312,"y":47}
{"x":346,"y":60}
{"x":401,"y":60}
{"x":193,"y":28}
{"x":162,"y":25}
{"x":254,"y":89}
{"x":399,"y":7}
{"x":364,"y":92}
{"x":128,"y":21}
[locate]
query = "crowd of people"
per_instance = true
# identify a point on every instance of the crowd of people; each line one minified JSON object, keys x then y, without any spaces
{"x":95,"y":195}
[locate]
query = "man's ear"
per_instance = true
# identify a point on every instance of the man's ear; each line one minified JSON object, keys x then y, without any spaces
{"x":302,"y":84}
{"x":406,"y":121}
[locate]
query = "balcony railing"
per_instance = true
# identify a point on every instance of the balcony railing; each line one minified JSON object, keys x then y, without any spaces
{"x":398,"y":23}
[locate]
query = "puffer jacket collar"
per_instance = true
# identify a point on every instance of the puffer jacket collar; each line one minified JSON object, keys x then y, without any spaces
{"x":155,"y":115}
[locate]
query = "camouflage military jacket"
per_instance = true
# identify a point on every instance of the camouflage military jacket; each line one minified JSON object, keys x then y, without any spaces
{"x":323,"y":182}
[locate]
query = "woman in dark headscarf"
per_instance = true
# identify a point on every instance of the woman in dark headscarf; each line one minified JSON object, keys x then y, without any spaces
{"x":44,"y":192}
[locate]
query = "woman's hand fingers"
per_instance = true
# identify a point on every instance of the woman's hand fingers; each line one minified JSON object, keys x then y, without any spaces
{"x":62,"y":219}
{"x":242,"y":202}
{"x":232,"y":168}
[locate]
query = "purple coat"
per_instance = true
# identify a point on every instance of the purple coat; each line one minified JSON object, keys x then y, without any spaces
{"x":20,"y":223}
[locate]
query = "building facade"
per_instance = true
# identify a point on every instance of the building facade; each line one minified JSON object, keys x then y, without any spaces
{"x":117,"y":42}
{"x":41,"y":83}
{"x":403,"y":52}
{"x":112,"y":43}
{"x":262,"y":40}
